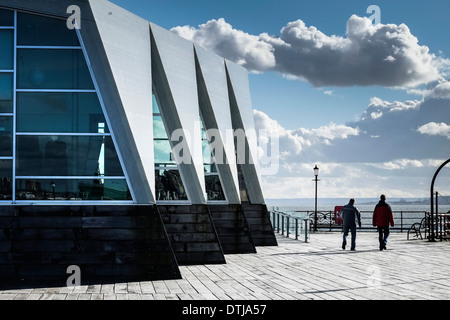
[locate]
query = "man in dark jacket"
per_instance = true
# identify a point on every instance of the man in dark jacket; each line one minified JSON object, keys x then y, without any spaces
{"x":350,"y":216}
{"x":382,"y":218}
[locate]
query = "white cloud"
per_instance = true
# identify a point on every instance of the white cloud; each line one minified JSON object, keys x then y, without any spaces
{"x":330,"y":132}
{"x":399,"y":164}
{"x":238,"y":46}
{"x":435,"y":129}
{"x":441,"y":91}
{"x":292,"y":142}
{"x":376,"y":102}
{"x":382,"y":54}
{"x":396,"y":153}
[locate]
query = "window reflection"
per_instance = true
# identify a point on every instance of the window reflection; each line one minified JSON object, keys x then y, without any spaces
{"x":5,"y":180}
{"x":6,"y":18}
{"x":59,"y":112}
{"x":52,"y":69}
{"x":38,"y":30}
{"x":6,"y":92}
{"x":169,"y":185}
{"x":6,"y":136}
{"x":67,"y":189}
{"x":67,"y":156}
{"x":214,"y":188}
{"x":213,"y":185}
{"x":6,"y":49}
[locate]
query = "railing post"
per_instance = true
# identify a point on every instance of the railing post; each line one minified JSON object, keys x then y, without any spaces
{"x":401,"y":221}
{"x":306,"y":229}
{"x":330,"y":220}
{"x":278,"y":222}
{"x":287,"y":226}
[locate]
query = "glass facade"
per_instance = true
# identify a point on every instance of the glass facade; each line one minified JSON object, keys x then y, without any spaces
{"x":213,"y":185}
{"x":6,"y":49}
{"x":6,"y":92}
{"x":168,"y":183}
{"x":55,"y":143}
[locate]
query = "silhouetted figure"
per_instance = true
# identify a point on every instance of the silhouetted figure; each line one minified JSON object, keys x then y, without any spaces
{"x":382,"y":218}
{"x":350,"y":216}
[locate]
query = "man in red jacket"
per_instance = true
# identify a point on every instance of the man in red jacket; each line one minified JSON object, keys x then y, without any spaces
{"x":382,"y":218}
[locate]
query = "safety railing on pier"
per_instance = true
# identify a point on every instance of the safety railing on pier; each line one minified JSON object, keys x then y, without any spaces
{"x":292,"y":226}
{"x":299,"y":224}
{"x":330,"y":221}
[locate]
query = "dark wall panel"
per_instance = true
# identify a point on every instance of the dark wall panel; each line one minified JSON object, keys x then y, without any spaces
{"x":232,"y":228}
{"x":192,"y":234}
{"x":108,"y":243}
{"x":258,"y":220}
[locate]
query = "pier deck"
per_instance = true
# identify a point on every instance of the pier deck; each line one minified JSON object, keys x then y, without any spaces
{"x":293,"y":270}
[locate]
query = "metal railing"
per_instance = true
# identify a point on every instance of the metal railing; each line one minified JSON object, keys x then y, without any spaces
{"x":327,"y":220}
{"x":289,"y":225}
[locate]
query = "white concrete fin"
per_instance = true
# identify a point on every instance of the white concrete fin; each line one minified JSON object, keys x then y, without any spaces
{"x":126,"y":40}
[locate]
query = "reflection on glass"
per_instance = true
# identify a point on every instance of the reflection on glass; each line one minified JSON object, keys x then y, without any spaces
{"x":6,"y":140}
{"x":5,"y":180}
{"x":72,"y":189}
{"x":52,"y":69}
{"x":214,"y":191}
{"x":6,"y":18}
{"x":6,"y":92}
{"x":163,"y":152}
{"x":159,"y":131}
{"x":38,"y":30}
{"x":214,"y":188}
{"x":169,"y":185}
{"x":59,"y":112}
{"x":6,"y":49}
{"x":67,"y":156}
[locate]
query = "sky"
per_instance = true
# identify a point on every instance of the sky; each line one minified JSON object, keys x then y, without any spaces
{"x":363,"y":94}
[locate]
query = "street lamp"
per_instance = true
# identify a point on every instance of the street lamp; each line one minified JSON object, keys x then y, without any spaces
{"x":316,"y":174}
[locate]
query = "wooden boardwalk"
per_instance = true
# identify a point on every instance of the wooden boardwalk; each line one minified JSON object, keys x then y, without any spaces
{"x":293,"y":270}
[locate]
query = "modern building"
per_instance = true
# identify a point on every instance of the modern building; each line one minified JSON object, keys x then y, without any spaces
{"x":124,"y":149}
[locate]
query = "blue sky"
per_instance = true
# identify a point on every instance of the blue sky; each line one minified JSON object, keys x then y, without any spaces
{"x":380,"y":128}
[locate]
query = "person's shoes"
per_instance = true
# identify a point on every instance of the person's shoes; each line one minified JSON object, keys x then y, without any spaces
{"x":343,"y":245}
{"x":353,"y":249}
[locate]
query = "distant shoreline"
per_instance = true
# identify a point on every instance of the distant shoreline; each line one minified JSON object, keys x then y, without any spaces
{"x":360,"y":201}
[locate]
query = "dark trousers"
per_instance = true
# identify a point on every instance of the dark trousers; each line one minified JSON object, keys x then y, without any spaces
{"x":383,"y":235}
{"x":351,"y":228}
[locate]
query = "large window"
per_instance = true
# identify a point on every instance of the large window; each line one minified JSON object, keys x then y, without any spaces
{"x":6,"y":92}
{"x":169,"y":185}
{"x":52,"y":69}
{"x":55,"y":143}
{"x":59,"y":112}
{"x":6,"y":103}
{"x":6,"y":49}
{"x":213,"y":185}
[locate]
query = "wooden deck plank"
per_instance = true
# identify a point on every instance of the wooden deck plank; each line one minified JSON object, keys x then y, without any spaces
{"x":293,"y":270}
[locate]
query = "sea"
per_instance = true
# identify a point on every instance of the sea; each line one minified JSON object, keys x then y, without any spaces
{"x":406,"y":211}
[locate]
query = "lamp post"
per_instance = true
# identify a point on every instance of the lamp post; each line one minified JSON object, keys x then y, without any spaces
{"x":316,"y":174}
